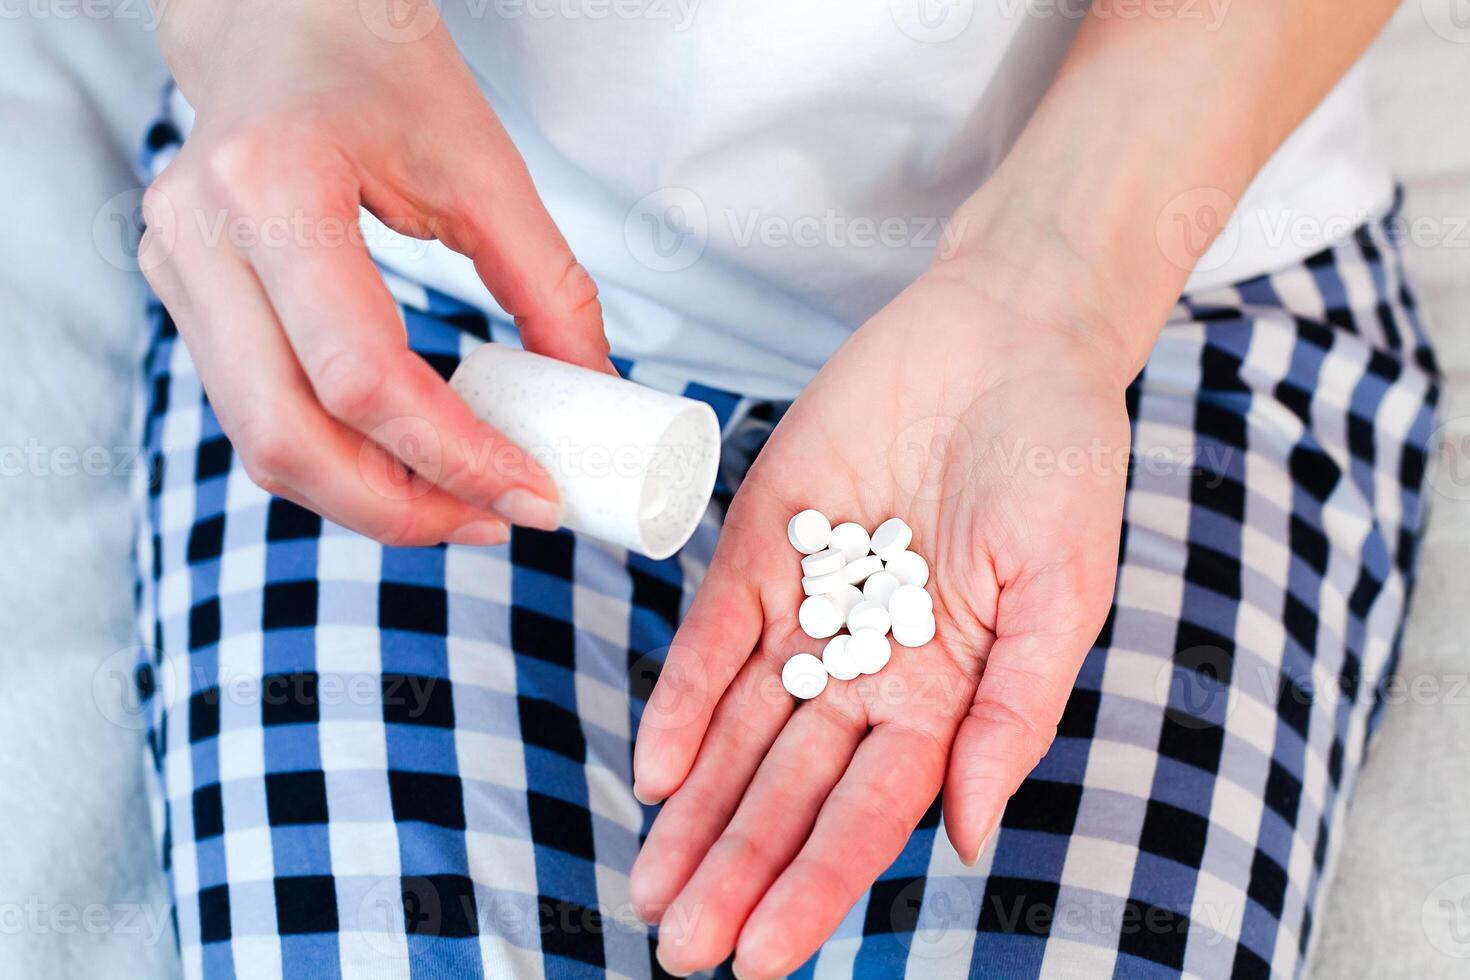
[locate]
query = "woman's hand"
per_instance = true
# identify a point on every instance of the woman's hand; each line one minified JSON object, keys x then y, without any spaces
{"x":305,"y":112}
{"x":1002,"y":441}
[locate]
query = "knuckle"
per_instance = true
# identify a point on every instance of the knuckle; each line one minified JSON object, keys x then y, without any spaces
{"x":159,"y":215}
{"x":737,"y":849}
{"x":268,"y":452}
{"x":236,"y":165}
{"x":406,"y":531}
{"x":461,"y":471}
{"x":349,"y":382}
{"x":259,"y":158}
{"x":1032,"y":738}
{"x":575,"y":292}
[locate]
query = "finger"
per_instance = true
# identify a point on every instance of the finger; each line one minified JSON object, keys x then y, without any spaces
{"x":861,"y":829}
{"x":345,"y":329}
{"x":489,"y":210}
{"x":1009,"y":727}
{"x":748,"y":720}
{"x":700,"y":928}
{"x":1045,"y":626}
{"x":711,"y":645}
{"x":286,"y":442}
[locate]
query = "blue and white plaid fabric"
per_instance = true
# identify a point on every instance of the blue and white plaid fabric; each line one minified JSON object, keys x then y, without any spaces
{"x":415,"y":763}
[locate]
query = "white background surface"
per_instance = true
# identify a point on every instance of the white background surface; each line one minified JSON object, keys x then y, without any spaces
{"x":75,"y":850}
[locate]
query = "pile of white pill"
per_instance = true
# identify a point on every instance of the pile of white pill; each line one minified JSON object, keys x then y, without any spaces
{"x":868,"y":585}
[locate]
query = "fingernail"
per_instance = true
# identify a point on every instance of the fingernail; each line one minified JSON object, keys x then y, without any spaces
{"x":644,"y":798}
{"x":658,"y":954}
{"x":974,"y":859}
{"x":520,"y":506}
{"x":737,"y":972}
{"x":481,"y":533}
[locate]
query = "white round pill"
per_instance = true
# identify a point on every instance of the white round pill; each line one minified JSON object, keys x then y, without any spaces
{"x":846,"y":596}
{"x":825,"y":561}
{"x":879,"y":587}
{"x":911,"y":635}
{"x":852,"y":539}
{"x":909,"y":568}
{"x":867,"y":616}
{"x":910,"y":604}
{"x":809,"y":532}
{"x":824,"y":584}
{"x":804,"y":676}
{"x":857,"y":572}
{"x":891,"y":537}
{"x":819,"y":617}
{"x":839,"y":659}
{"x":870,"y":649}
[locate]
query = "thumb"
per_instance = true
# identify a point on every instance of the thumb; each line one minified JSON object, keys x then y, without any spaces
{"x":1028,"y":677}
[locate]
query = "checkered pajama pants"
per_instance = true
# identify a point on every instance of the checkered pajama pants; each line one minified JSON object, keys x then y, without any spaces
{"x":415,"y":763}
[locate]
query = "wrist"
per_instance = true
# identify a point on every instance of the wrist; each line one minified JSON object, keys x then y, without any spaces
{"x":191,"y":34}
{"x":1062,"y":269}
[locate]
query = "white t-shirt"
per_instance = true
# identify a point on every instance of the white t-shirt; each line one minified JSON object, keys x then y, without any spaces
{"x":749,"y":181}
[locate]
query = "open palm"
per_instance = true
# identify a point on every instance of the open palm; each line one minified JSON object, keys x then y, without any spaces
{"x":1001,"y":442}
